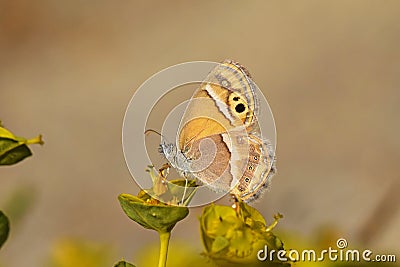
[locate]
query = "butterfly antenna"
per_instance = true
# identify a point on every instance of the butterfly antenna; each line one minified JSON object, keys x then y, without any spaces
{"x":148,"y":131}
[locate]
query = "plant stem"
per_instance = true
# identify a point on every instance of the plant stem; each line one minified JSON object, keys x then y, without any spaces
{"x":164,"y":242}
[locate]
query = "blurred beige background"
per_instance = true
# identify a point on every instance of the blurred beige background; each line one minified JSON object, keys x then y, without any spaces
{"x":330,"y":71}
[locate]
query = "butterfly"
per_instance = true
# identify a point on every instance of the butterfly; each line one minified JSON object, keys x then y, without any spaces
{"x":219,"y":141}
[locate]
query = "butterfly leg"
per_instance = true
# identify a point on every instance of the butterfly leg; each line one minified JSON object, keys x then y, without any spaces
{"x":236,"y":204}
{"x":184,"y":191}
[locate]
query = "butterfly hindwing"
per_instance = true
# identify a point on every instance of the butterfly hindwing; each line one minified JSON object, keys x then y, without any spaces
{"x":210,"y":163}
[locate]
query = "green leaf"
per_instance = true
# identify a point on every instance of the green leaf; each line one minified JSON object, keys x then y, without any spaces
{"x":152,"y":214}
{"x":251,"y":216}
{"x":12,"y":152}
{"x":6,"y":133}
{"x":14,"y":149}
{"x":219,"y":244}
{"x":123,"y":264}
{"x":4,"y":228}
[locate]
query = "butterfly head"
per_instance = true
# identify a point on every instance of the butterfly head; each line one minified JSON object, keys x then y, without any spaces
{"x":175,"y":157}
{"x":169,"y":150}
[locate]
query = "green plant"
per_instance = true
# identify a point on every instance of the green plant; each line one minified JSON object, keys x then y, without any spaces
{"x":231,"y":235}
{"x":13,"y":149}
{"x":4,"y":228}
{"x":151,"y":213}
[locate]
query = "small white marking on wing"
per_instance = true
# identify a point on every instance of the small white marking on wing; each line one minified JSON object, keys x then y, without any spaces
{"x":221,"y":106}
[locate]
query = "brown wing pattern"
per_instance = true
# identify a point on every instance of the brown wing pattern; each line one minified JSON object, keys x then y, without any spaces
{"x":217,"y":173}
{"x":258,"y":171}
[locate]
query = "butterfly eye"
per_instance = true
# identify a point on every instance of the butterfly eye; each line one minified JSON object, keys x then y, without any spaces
{"x":247,"y":179}
{"x":250,"y":167}
{"x":236,"y":98}
{"x":255,"y":158}
{"x":241,"y":189}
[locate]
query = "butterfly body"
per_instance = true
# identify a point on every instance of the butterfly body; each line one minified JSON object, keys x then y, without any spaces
{"x":220,"y":142}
